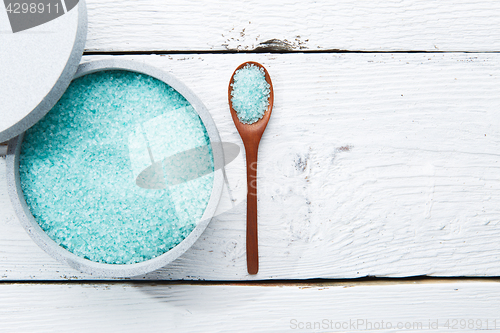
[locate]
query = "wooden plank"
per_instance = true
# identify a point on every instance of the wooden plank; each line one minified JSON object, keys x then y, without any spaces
{"x":381,"y":25}
{"x":372,"y":165}
{"x":457,"y":306}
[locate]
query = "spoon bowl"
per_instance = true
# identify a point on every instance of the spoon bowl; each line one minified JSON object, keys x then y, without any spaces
{"x":251,"y":135}
{"x":251,"y":132}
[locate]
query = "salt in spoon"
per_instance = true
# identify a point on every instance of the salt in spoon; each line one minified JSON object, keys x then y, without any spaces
{"x":251,"y":135}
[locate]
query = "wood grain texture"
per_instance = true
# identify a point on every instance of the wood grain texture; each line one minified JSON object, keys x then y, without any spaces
{"x":219,"y":308}
{"x":371,"y":165}
{"x":381,"y":25}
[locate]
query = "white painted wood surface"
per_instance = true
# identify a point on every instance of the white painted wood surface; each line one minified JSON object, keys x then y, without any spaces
{"x":372,"y":164}
{"x":344,"y":307}
{"x":377,"y":25}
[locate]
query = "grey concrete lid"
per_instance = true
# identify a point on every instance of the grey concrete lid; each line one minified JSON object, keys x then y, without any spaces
{"x":37,"y":64}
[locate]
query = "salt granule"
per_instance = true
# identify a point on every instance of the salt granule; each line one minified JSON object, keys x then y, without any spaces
{"x":78,"y":168}
{"x":250,"y":93}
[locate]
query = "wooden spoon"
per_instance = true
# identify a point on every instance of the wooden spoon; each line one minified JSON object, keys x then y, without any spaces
{"x":251,"y":135}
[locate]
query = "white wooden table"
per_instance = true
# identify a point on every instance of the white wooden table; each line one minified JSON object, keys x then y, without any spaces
{"x":381,"y":160}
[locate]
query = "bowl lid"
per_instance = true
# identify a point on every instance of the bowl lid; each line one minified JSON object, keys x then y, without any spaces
{"x":41,"y":47}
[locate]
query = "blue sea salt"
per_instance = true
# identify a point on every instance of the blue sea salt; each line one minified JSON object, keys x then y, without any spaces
{"x":81,"y":168}
{"x":250,"y":93}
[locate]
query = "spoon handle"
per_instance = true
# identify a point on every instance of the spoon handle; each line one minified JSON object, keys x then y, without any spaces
{"x":252,"y":240}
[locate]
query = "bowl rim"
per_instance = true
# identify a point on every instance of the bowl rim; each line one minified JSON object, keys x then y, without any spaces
{"x":119,"y":270}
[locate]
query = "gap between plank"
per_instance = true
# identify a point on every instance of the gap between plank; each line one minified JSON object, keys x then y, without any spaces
{"x":263,"y":50}
{"x":308,"y":283}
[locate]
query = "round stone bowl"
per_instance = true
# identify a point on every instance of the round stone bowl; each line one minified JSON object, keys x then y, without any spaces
{"x":119,"y":270}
